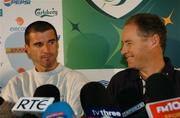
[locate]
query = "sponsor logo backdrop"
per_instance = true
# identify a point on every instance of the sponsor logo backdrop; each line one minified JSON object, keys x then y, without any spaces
{"x":15,"y":15}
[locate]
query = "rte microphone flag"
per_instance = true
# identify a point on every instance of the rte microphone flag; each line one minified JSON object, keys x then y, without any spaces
{"x":164,"y":109}
{"x":35,"y":105}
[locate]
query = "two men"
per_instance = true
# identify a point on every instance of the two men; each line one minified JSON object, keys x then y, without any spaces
{"x":143,"y":46}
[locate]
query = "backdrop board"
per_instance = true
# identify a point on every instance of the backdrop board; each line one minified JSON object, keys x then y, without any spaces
{"x":92,"y":33}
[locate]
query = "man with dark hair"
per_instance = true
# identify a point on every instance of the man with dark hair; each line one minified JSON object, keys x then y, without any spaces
{"x":41,"y":44}
{"x":143,"y":46}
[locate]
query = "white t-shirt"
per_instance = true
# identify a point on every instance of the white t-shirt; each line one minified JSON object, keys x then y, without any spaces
{"x":69,"y":83}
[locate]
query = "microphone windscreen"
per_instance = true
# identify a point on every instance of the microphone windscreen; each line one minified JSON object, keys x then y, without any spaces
{"x":93,"y":94}
{"x":48,"y":90}
{"x":28,"y":115}
{"x":128,"y":97}
{"x":5,"y":110}
{"x":1,"y":101}
{"x":159,"y":87}
{"x":96,"y":102}
{"x":59,"y":110}
{"x":131,"y":103}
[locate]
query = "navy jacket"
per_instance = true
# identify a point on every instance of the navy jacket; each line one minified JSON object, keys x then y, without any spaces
{"x":130,"y":78}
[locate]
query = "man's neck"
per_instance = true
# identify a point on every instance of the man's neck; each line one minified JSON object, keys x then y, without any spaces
{"x":151,"y":69}
{"x":43,"y":69}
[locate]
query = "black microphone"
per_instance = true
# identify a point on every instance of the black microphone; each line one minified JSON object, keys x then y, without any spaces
{"x":128,"y":97}
{"x":159,"y":87}
{"x":48,"y":90}
{"x":130,"y":101}
{"x":1,"y":101}
{"x":5,"y":110}
{"x":96,"y":102}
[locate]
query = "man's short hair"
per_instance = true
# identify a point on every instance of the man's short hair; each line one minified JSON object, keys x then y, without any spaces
{"x":38,"y":26}
{"x":149,"y":24}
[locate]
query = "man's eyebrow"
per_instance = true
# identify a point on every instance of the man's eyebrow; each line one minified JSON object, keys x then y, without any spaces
{"x":52,"y":40}
{"x":126,"y":41}
{"x":36,"y":43}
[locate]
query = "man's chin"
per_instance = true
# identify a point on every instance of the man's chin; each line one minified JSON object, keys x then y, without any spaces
{"x":131,"y":65}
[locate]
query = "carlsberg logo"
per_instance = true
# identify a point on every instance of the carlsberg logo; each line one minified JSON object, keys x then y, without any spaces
{"x":46,"y":12}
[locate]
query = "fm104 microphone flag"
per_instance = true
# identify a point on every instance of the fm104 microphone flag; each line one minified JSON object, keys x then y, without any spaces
{"x":164,"y":109}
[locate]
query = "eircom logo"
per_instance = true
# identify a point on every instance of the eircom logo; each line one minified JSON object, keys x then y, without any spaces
{"x":8,"y":3}
{"x":19,"y":21}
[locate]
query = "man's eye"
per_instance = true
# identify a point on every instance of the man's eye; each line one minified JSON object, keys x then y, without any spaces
{"x":38,"y":44}
{"x":52,"y":42}
{"x":128,"y":43}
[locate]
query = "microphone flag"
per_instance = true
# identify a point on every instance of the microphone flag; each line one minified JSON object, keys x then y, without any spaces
{"x":164,"y":109}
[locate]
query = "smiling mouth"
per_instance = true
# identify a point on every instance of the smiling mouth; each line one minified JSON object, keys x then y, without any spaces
{"x":129,"y":58}
{"x":45,"y":56}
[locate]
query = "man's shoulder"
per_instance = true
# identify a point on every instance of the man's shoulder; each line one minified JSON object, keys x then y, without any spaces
{"x":177,"y":74}
{"x":126,"y":73}
{"x":73,"y":75}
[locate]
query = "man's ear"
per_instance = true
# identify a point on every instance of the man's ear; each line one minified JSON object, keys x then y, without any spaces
{"x":27,"y":50}
{"x":58,"y":44}
{"x":155,"y":40}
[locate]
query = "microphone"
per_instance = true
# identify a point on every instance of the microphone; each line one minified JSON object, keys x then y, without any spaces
{"x":159,"y":87}
{"x":5,"y":110}
{"x":59,"y":110}
{"x":96,"y":102}
{"x":1,"y":101}
{"x":48,"y":90}
{"x":33,"y":106}
{"x":131,"y":103}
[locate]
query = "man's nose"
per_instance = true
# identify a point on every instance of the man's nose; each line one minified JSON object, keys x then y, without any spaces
{"x":46,"y":48}
{"x":123,"y":50}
